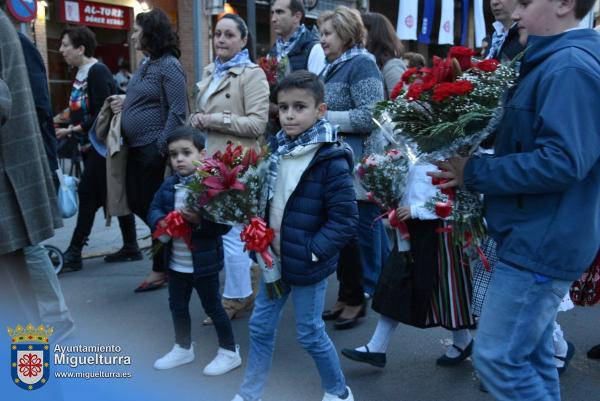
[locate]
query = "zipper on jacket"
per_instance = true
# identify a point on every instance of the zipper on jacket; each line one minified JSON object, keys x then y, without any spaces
{"x":519,"y":149}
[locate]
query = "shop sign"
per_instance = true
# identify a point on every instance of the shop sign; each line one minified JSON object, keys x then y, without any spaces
{"x":23,"y":10}
{"x":95,"y":14}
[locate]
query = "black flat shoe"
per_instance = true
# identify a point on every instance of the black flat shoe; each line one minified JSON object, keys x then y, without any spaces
{"x":377,"y":359}
{"x":566,"y":359}
{"x":345,"y":324}
{"x":330,"y":314}
{"x":594,"y":352}
{"x":464,"y":354}
{"x":124,"y":255}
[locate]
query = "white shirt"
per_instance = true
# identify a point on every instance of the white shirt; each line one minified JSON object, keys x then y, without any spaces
{"x":316,"y":59}
{"x":181,"y":256}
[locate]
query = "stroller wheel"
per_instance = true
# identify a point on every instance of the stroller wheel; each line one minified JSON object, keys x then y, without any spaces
{"x":56,"y":257}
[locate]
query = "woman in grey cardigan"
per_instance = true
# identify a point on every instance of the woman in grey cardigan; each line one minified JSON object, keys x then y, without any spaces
{"x":353,"y":84}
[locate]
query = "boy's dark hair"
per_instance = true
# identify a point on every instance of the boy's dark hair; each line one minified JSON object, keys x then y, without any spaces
{"x":303,"y":79}
{"x":188,"y":133}
{"x":80,"y":35}
{"x":414,"y":60}
{"x":158,"y":36}
{"x":582,"y":7}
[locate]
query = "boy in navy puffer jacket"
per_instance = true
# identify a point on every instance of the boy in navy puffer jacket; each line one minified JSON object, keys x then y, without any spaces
{"x":312,"y":209}
{"x":192,"y":266}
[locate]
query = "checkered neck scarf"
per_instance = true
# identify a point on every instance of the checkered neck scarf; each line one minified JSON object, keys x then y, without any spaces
{"x":242,"y":58}
{"x":347,"y":55}
{"x":322,"y":132}
{"x":284,"y":48}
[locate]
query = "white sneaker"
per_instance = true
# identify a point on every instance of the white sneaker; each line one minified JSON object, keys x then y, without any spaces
{"x":176,"y":357}
{"x":223,"y":362}
{"x":331,"y":397}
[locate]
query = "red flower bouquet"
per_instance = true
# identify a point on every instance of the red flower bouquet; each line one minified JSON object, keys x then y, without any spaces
{"x":384,"y":177}
{"x":230,"y":188}
{"x":450,"y":108}
{"x":444,"y":111}
{"x":274,"y":70}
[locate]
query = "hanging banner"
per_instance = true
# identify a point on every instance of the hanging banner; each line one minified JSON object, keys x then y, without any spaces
{"x":100,"y":15}
{"x":464,"y":24}
{"x":480,"y":29}
{"x":446,"y":36}
{"x":427,"y":23}
{"x":408,"y":14}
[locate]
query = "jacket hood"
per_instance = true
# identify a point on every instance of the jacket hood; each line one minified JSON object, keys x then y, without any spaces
{"x":539,"y":48}
{"x":334,"y":150}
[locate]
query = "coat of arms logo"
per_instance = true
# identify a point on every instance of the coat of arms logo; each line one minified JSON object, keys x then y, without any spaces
{"x":30,"y":355}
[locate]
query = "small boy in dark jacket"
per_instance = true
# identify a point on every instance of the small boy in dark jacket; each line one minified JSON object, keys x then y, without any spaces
{"x":312,"y":209}
{"x":196,"y":268}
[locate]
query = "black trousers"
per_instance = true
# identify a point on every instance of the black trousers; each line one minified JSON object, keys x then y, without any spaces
{"x":350,"y":275}
{"x":145,"y":174}
{"x":181,"y":286}
{"x":92,"y":196}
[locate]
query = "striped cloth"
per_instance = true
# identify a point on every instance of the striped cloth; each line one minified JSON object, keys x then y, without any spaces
{"x":181,"y":256}
{"x":451,"y":298}
{"x":482,"y":277}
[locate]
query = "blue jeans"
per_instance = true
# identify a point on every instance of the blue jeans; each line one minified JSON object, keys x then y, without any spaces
{"x":48,"y":293}
{"x":310,"y":331}
{"x":514,"y":349}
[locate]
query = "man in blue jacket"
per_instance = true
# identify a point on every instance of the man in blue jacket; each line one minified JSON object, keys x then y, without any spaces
{"x":542,"y":190}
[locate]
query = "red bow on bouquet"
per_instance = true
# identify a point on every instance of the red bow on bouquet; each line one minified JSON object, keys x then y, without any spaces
{"x":176,"y":227}
{"x":392,"y":217}
{"x":398,"y":224}
{"x":257,"y":237}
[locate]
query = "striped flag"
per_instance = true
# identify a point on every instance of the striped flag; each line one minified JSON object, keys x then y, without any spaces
{"x":446,"y":36}
{"x":480,"y":28}
{"x":408,"y":14}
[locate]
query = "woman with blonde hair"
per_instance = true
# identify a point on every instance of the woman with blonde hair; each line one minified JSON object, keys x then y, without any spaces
{"x":353,"y":84}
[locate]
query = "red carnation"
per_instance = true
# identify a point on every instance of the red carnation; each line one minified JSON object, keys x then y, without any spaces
{"x":414,"y":91}
{"x":446,"y":89}
{"x":462,"y":55}
{"x":406,"y":77}
{"x":443,"y":209}
{"x":489,"y":65}
{"x":397,"y":90}
{"x":442,"y":70}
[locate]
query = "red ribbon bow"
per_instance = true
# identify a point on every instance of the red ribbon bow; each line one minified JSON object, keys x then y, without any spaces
{"x":257,"y":237}
{"x":176,"y":227}
{"x":398,"y":224}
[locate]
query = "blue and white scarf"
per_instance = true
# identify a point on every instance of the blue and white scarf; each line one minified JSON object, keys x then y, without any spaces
{"x":284,"y":48}
{"x":240,"y":59}
{"x":322,"y":132}
{"x":346,"y":56}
